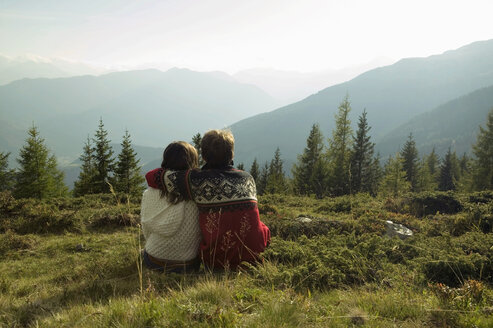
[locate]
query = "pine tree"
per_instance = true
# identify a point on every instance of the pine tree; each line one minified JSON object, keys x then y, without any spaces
{"x":85,"y":183}
{"x":362,"y":162}
{"x":263,"y":179}
{"x":410,"y":162}
{"x":340,"y":150}
{"x":319,"y":177}
{"x":103,"y":160}
{"x":309,"y":172}
{"x":394,"y":181}
{"x":6,"y":176}
{"x":38,"y":175}
{"x":426,"y":181}
{"x":375,"y":176}
{"x":465,"y":182}
{"x":433,"y":163}
{"x":276,"y":181}
{"x":128,"y":178}
{"x":241,"y":167}
{"x":449,"y":172}
{"x":255,"y":171}
{"x":197,"y":143}
{"x":482,"y":167}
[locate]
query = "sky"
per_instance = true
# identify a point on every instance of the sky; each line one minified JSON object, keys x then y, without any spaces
{"x":230,"y":35}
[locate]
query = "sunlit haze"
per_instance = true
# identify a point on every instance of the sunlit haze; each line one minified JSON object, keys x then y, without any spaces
{"x":229,"y":36}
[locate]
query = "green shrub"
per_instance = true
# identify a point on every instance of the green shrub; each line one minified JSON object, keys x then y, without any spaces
{"x":342,"y":204}
{"x":452,"y":261}
{"x":324,"y":262}
{"x":425,"y":203}
{"x":114,"y":216}
{"x":9,"y":241}
{"x":291,"y":229}
{"x":35,"y":216}
{"x":483,"y":197}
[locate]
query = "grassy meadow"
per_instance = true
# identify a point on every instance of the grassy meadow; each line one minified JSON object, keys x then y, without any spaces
{"x":74,"y":262}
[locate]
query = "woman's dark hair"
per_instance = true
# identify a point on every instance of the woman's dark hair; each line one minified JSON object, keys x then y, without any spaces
{"x":179,"y":155}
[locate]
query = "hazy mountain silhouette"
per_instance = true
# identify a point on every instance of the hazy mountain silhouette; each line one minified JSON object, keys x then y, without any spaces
{"x":392,"y":95}
{"x":156,"y":107}
{"x":12,"y":69}
{"x":291,"y":86}
{"x":454,"y":124}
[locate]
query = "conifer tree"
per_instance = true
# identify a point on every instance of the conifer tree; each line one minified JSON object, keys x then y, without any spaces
{"x":375,"y":175}
{"x":433,"y":163}
{"x":482,"y":167}
{"x":276,"y":181}
{"x":309,"y":172}
{"x":263,"y":179}
{"x":394,"y":181}
{"x":128,"y":178}
{"x":340,"y":150}
{"x":197,"y":143}
{"x":38,"y":175}
{"x":6,"y":176}
{"x":85,"y":183}
{"x":319,"y":177}
{"x":465,"y":181}
{"x":426,"y":181}
{"x":449,"y":172}
{"x":362,"y":162}
{"x":241,"y":166}
{"x":103,"y":160}
{"x":410,"y":162}
{"x":255,"y":172}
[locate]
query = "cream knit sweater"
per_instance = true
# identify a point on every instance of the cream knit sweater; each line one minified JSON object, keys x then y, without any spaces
{"x":172,"y":232}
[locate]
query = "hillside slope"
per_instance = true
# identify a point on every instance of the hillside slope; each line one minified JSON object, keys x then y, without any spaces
{"x":454,"y":124}
{"x":156,"y":107}
{"x":392,"y":95}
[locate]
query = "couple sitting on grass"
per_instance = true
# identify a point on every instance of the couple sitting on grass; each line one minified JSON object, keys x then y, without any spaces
{"x":210,"y":214}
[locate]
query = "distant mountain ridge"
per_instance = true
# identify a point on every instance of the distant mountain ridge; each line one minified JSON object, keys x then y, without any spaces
{"x":156,"y":107}
{"x":454,"y":124}
{"x":291,"y":86}
{"x":391,"y":95}
{"x":12,"y":69}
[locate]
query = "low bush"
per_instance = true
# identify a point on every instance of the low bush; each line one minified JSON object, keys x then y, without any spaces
{"x":324,"y":262}
{"x":481,"y":197}
{"x":425,"y":203}
{"x":33,"y":216}
{"x":11,"y":242}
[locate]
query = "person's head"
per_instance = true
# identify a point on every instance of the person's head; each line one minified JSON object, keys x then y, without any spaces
{"x":218,"y":147}
{"x":180,"y":155}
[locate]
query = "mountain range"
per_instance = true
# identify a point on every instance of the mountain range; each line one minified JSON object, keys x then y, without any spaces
{"x":441,"y":99}
{"x":392,"y":95}
{"x":454,"y":124}
{"x":156,"y":107}
{"x":31,"y":66}
{"x":291,"y":86}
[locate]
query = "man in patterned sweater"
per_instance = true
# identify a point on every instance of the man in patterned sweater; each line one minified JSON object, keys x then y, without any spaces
{"x":226,"y":197}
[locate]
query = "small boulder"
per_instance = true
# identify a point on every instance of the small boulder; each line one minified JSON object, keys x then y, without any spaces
{"x":303,"y":219}
{"x":396,"y":229}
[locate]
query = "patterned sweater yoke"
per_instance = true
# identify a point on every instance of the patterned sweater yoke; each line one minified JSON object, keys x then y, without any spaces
{"x":212,"y":187}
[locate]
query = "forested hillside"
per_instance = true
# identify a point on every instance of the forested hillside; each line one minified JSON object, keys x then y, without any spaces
{"x":156,"y":107}
{"x":454,"y":124}
{"x":391,"y":95}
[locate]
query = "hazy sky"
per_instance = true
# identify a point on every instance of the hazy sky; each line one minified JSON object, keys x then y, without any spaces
{"x":229,"y":35}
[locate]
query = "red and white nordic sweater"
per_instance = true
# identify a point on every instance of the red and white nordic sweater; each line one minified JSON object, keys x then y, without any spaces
{"x":228,"y":214}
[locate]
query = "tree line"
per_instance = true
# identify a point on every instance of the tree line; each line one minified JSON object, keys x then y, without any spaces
{"x":349,"y":164}
{"x":38,"y":176}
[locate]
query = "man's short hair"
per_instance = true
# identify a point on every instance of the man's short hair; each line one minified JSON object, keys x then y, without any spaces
{"x":218,"y":147}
